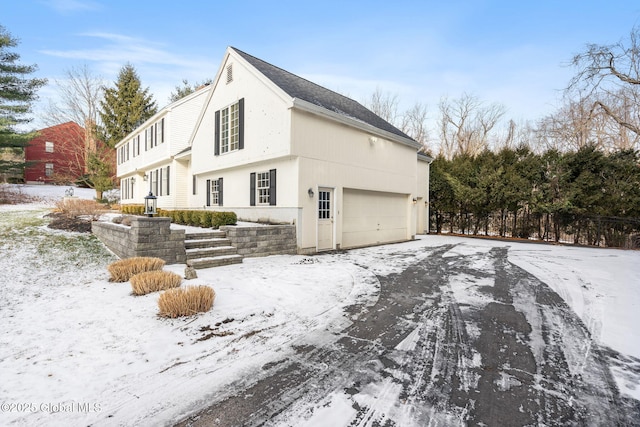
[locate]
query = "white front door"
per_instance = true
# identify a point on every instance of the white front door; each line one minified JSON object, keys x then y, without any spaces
{"x":325,"y":219}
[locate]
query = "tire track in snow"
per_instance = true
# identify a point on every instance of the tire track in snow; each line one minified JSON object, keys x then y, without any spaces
{"x":499,"y":349}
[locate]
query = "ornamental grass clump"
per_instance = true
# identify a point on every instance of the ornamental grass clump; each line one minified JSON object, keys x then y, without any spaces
{"x":187,"y":301}
{"x":153,"y":281}
{"x":124,"y":269}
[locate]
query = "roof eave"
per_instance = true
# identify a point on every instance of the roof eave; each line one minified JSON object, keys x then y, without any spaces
{"x":309,"y":107}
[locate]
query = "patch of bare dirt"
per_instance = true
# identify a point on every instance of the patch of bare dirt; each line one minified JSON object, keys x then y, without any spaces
{"x":66,"y":223}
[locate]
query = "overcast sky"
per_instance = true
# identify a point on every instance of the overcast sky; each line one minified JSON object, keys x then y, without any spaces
{"x":511,"y":52}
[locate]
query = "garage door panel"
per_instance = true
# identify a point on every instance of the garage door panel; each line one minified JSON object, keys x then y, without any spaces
{"x":371,"y":217}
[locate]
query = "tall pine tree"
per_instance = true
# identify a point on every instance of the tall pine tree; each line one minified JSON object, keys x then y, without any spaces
{"x":125,"y":106}
{"x":17,"y":94}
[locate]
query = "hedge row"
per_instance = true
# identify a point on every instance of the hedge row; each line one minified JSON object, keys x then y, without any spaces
{"x":206,"y":219}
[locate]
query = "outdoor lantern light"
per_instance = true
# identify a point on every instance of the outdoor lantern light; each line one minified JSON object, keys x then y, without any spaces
{"x":150,"y":205}
{"x":133,"y":179}
{"x":145,"y":178}
{"x":310,"y":192}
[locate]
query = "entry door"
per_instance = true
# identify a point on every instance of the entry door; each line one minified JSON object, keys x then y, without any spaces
{"x":325,"y":219}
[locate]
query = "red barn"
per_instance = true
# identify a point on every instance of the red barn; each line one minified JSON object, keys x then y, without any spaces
{"x":56,"y":155}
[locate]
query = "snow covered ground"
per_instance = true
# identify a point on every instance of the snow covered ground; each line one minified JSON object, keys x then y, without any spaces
{"x":76,"y":349}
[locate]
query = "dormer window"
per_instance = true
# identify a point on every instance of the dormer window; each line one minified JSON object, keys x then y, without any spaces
{"x":48,"y":147}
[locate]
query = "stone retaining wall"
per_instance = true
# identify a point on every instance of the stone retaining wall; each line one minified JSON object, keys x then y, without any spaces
{"x":151,"y":237}
{"x":263,"y":240}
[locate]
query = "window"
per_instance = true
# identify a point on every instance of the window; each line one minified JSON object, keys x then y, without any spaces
{"x":214,"y":192}
{"x":324,"y":204}
{"x":48,"y":169}
{"x":229,"y":128}
{"x":126,"y":188}
{"x":154,"y":182}
{"x":262,"y":188}
{"x":165,"y":181}
{"x":48,"y":147}
{"x":194,"y":185}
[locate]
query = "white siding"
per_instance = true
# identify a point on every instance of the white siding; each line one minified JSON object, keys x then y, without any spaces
{"x":337,"y":156}
{"x":266,"y":122}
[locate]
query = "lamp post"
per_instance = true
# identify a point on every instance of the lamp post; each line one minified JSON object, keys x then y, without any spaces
{"x":150,"y":205}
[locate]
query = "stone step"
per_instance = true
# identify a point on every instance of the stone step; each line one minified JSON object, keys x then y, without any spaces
{"x":216,"y":261}
{"x":210,"y":252}
{"x":206,"y":243}
{"x":210,"y":234}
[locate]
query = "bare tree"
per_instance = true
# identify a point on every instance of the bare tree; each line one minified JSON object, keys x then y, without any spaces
{"x":384,"y":105}
{"x":466,"y":124}
{"x":611,"y":76}
{"x":576,"y":124}
{"x":79,"y":96}
{"x":414,"y":124}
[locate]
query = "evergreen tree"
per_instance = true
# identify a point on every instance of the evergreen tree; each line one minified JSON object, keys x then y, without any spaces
{"x":125,"y":106}
{"x":187,"y":89}
{"x":17,"y":93}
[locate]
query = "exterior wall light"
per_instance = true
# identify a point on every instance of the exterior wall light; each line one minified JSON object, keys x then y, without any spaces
{"x":133,"y":179}
{"x":310,"y":192}
{"x":150,"y":205}
{"x":145,"y":178}
{"x":415,"y":200}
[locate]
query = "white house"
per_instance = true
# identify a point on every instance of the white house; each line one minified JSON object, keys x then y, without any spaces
{"x":274,"y":147}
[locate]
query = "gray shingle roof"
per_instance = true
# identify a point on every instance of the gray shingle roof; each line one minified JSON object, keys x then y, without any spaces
{"x":300,"y":88}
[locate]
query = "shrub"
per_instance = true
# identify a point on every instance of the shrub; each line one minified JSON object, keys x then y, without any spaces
{"x":187,"y":301}
{"x":124,"y":269}
{"x":73,"y":208}
{"x":133,"y":209}
{"x":205,"y":219}
{"x":196,"y":217}
{"x":153,"y":281}
{"x":223,"y":218}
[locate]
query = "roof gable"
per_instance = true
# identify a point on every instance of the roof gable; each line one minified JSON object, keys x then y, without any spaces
{"x":299,"y":88}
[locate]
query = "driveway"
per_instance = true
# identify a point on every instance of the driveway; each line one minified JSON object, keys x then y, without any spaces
{"x":455,"y":339}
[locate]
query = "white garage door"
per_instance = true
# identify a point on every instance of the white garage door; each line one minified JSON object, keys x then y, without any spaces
{"x":372,"y":217}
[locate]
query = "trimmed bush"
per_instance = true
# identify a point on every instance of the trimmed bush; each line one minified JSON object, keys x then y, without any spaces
{"x":223,"y":218}
{"x":205,"y":219}
{"x":153,"y":281}
{"x":187,"y":301}
{"x":132,"y":209}
{"x":124,"y":269}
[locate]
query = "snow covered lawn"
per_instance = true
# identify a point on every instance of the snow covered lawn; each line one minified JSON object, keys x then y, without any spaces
{"x":76,"y":349}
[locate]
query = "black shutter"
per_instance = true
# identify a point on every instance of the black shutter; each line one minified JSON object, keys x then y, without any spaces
{"x":216,"y":143}
{"x":208,"y":192}
{"x":168,"y":181}
{"x":220,"y":192}
{"x":241,"y":124}
{"x":162,"y":126}
{"x":160,"y":182}
{"x":252,"y":189}
{"x":272,"y":187}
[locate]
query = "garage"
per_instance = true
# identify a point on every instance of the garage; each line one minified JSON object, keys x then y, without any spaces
{"x":373,"y":217}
